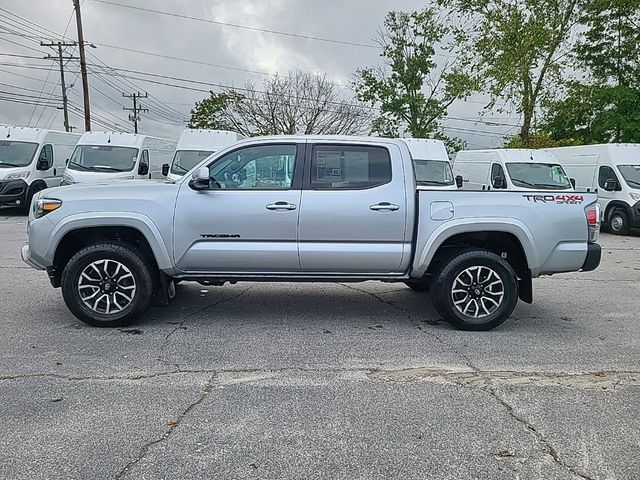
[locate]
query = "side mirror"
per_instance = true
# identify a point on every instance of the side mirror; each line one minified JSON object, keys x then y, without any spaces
{"x":499,"y":182}
{"x":200,"y":179}
{"x":573,"y":182}
{"x":612,"y":185}
{"x":143,"y":169}
{"x":165,"y":169}
{"x":66,"y":162}
{"x":43,"y":164}
{"x":459,"y":181}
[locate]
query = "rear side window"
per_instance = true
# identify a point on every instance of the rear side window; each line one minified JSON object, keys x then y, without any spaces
{"x":341,"y":167}
{"x":606,"y":173}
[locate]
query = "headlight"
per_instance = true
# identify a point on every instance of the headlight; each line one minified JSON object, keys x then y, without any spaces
{"x":17,"y":176}
{"x":634,"y":196}
{"x":42,"y":206}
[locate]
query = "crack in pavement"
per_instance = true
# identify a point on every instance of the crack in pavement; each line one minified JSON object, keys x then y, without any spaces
{"x":180,"y":325}
{"x":146,"y":448}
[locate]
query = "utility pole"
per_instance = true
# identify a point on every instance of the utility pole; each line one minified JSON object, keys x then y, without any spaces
{"x":134,"y":117}
{"x":60,"y":58}
{"x":83,"y":68}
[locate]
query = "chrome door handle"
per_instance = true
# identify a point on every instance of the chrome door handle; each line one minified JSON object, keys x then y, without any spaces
{"x":281,"y":206}
{"x":384,"y":206}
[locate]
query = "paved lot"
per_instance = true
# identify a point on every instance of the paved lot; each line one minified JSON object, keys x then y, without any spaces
{"x":322,"y":381}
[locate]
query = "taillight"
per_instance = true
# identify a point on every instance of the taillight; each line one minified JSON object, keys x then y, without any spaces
{"x":593,"y":221}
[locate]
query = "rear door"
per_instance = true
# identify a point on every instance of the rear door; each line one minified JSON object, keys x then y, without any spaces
{"x":248,"y":221}
{"x":354,"y":208}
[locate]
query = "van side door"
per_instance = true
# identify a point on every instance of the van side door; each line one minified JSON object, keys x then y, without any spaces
{"x":353,"y":217}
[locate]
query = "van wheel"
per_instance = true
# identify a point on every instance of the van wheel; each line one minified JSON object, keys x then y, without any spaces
{"x":108,"y":284}
{"x":475,"y":290}
{"x":417,"y":285}
{"x":619,"y":223}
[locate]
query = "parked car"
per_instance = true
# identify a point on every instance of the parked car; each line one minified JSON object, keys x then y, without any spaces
{"x":306,"y":208}
{"x":613,"y":170}
{"x":31,"y":159}
{"x":431,"y":163}
{"x":512,"y":169}
{"x":110,"y":156}
{"x":194,"y":146}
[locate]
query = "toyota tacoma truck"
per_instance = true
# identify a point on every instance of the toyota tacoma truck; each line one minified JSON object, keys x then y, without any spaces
{"x":306,"y":208}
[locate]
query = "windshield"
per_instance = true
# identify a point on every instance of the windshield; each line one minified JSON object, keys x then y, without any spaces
{"x":433,"y":172}
{"x":631,"y":174}
{"x":185,"y":160}
{"x":16,"y":154}
{"x":103,"y":158}
{"x":547,"y":176}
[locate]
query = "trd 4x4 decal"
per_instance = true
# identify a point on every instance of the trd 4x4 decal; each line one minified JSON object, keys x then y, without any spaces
{"x":564,"y":199}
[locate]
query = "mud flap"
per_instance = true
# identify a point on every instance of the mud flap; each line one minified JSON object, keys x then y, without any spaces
{"x":525,"y":288}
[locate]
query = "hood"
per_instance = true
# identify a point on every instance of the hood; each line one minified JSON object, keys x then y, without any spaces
{"x":79,"y":176}
{"x":112,"y":190}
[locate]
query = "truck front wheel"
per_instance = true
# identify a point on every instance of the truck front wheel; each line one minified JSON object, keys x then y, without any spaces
{"x":108,"y":284}
{"x":475,"y":290}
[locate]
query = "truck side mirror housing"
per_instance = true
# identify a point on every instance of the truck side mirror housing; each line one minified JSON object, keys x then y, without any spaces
{"x":165,"y":169}
{"x":200,"y":179}
{"x":499,"y":182}
{"x":143,"y":169}
{"x":612,"y":185}
{"x":459,"y":181}
{"x":573,"y":182}
{"x":43,"y":164}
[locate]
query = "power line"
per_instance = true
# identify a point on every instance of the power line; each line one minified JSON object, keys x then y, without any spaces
{"x":246,"y":27}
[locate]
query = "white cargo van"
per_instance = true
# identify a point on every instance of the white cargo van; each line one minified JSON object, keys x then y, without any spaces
{"x":106,"y":156}
{"x":431,"y":163}
{"x":194,"y":146}
{"x":31,"y":159}
{"x":512,"y":169}
{"x":614,"y":171}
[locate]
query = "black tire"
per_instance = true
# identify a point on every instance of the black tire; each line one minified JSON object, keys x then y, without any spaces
{"x":133,"y":259}
{"x":417,"y":285}
{"x":31,"y":191}
{"x":448,"y":271}
{"x":619,"y":223}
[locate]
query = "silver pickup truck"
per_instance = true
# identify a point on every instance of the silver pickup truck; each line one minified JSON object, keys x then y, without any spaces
{"x":307,"y":208}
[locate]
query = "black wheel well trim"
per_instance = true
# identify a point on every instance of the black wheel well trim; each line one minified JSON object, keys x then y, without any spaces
{"x":617,"y":205}
{"x":78,"y":238}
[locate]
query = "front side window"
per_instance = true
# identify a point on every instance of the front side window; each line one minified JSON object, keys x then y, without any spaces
{"x":185,"y":160}
{"x":47,"y":153}
{"x":103,"y":158}
{"x":433,"y":172}
{"x":341,"y":167}
{"x":16,"y":154}
{"x":631,"y":174}
{"x":546,"y":176}
{"x":265,"y":167}
{"x":606,"y":173}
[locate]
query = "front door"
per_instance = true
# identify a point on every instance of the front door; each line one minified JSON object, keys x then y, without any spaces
{"x":248,"y":220}
{"x":353,"y":214}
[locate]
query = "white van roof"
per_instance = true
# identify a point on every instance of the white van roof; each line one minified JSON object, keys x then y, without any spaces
{"x":118,"y":139}
{"x":620,"y":152}
{"x":207,"y":140}
{"x":519,"y":155}
{"x":28,"y":134}
{"x":426,"y":149}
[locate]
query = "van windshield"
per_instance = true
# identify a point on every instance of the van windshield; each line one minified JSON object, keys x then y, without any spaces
{"x":185,"y":160}
{"x":631,"y":174}
{"x":103,"y":158}
{"x":433,"y":172}
{"x":16,"y":154}
{"x":546,"y":176}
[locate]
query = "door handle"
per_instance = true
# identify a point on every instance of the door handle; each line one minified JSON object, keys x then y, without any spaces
{"x":281,"y":206}
{"x":384,"y":206}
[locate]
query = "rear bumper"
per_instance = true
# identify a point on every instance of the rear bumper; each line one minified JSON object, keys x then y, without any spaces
{"x":594,"y":254}
{"x":13,"y":192}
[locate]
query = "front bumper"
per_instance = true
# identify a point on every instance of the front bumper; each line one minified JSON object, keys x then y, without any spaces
{"x":13,"y":192}
{"x":594,"y":254}
{"x":27,"y":259}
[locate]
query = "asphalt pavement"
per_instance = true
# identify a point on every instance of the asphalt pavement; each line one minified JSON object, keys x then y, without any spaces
{"x":352,"y":381}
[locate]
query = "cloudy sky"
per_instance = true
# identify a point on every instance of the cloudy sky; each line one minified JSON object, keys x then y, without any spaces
{"x":139,"y":43}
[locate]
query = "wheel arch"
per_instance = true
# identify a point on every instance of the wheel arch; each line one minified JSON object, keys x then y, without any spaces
{"x":617,"y":205}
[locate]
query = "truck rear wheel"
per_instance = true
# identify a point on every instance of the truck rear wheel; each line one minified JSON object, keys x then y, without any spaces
{"x":475,"y":290}
{"x":108,"y":284}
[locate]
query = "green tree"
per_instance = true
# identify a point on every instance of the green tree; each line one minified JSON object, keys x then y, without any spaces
{"x":412,"y":91}
{"x":518,"y":47}
{"x":604,"y":105}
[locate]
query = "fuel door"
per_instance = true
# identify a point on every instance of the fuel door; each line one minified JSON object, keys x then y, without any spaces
{"x":441,"y":211}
